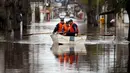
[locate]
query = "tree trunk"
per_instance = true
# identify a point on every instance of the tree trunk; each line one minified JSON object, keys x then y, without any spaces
{"x":26,"y":12}
{"x":37,"y":14}
{"x":89,"y":13}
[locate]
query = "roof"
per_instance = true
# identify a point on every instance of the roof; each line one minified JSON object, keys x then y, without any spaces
{"x":108,"y":12}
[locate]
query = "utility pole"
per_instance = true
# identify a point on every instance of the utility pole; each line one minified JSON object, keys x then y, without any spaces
{"x":97,"y":16}
{"x":106,"y":5}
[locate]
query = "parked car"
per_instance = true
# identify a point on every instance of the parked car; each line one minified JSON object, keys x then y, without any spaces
{"x":71,"y":15}
{"x":62,"y":15}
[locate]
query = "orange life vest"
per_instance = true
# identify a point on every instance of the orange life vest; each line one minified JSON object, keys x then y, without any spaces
{"x":66,"y":28}
{"x":72,"y":28}
{"x":60,"y":27}
{"x":102,"y":20}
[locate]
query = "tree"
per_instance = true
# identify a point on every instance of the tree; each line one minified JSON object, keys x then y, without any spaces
{"x":2,"y":15}
{"x":12,"y":12}
{"x":92,"y":6}
{"x":37,"y":14}
{"x":116,"y":7}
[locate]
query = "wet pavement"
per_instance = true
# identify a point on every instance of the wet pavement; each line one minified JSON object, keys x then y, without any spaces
{"x":36,"y":53}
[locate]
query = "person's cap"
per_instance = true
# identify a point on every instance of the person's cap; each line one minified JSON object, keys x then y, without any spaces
{"x":70,"y":20}
{"x":67,"y":22}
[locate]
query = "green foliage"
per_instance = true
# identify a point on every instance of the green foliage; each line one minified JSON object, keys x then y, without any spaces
{"x":120,"y":4}
{"x":84,"y":1}
{"x":117,"y":6}
{"x":94,"y":2}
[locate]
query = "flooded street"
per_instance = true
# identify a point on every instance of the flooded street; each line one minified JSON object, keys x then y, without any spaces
{"x":35,"y":52}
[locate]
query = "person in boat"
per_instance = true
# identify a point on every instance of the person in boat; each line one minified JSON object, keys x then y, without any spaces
{"x":73,"y":29}
{"x":59,"y":27}
{"x":66,"y":28}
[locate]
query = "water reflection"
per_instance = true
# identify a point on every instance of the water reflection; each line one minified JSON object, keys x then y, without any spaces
{"x":61,"y":49}
{"x":98,"y":58}
{"x":15,"y":58}
{"x":69,"y":56}
{"x":92,"y":58}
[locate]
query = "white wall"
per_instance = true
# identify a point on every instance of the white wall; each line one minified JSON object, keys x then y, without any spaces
{"x":126,"y":19}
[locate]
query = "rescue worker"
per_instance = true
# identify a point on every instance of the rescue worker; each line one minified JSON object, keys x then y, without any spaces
{"x":66,"y":28}
{"x":73,"y":29}
{"x":59,"y":27}
{"x":102,"y":25}
{"x":102,"y":22}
